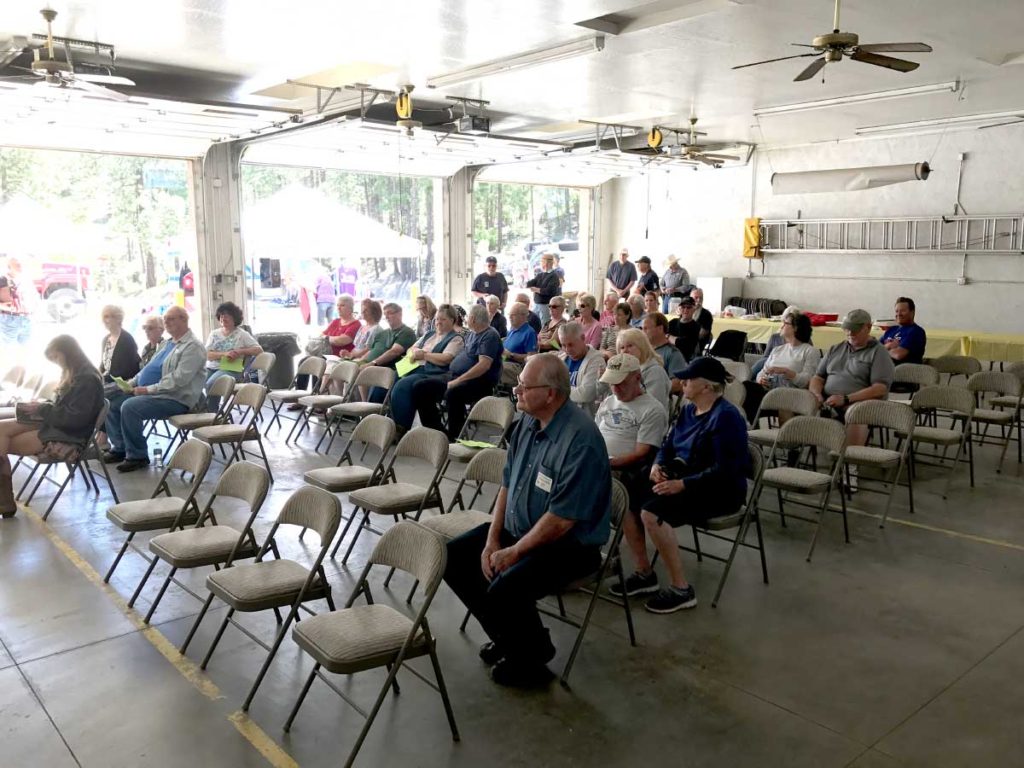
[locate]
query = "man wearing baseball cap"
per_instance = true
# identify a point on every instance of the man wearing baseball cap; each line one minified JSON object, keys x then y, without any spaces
{"x":854,"y":370}
{"x":700,"y":472}
{"x":491,"y":282}
{"x":647,"y":279}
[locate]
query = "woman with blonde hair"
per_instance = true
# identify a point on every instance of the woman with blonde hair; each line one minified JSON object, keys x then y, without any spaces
{"x":652,"y":370}
{"x":119,"y":355}
{"x":426,"y":312}
{"x":587,"y":303}
{"x":57,"y":430}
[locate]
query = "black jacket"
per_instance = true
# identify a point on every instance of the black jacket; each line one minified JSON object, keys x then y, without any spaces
{"x":71,"y":417}
{"x":125,"y":360}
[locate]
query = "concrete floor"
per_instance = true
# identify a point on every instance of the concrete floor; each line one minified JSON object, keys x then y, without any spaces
{"x":902,"y":648}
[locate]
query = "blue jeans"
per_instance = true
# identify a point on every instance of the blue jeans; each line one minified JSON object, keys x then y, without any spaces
{"x":403,"y":400}
{"x":127,"y":418}
{"x":324,"y":311}
{"x":213,"y":403}
{"x":543,"y":312}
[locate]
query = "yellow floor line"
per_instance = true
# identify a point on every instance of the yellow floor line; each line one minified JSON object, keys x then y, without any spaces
{"x":937,"y":529}
{"x":187,"y":668}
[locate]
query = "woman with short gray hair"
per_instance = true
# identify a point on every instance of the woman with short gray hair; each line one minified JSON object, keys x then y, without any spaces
{"x":495,"y":318}
{"x":119,"y":355}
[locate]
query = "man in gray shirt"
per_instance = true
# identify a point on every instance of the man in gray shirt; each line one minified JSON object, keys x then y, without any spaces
{"x":674,"y":279}
{"x":857,"y":369}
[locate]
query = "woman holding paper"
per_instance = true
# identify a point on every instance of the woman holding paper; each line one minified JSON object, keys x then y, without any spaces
{"x":119,"y":355}
{"x":431,"y":355}
{"x":547,"y":339}
{"x":226,"y":349}
{"x":58,"y":430}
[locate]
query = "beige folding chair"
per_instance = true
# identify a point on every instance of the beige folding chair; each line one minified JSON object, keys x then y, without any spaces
{"x":487,"y":466}
{"x":955,"y":403}
{"x":735,"y":393}
{"x":370,"y":636}
{"x":885,"y":416}
{"x":343,"y":376}
{"x":492,"y":413}
{"x":185,"y":423}
{"x":739,"y":371}
{"x":312,"y":367}
{"x":799,"y":402}
{"x":249,"y":398}
{"x":261,"y":365}
{"x":46,"y":392}
{"x":216,"y":544}
{"x":353,"y":409}
{"x":955,"y":365}
{"x":275,"y":584}
{"x":988,"y":385}
{"x":80,"y":465}
{"x":397,"y":498}
{"x":162,"y":510}
{"x":1011,"y":403}
{"x":828,"y":437}
{"x":910,"y":377}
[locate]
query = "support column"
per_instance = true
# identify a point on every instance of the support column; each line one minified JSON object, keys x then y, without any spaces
{"x":458,"y":235}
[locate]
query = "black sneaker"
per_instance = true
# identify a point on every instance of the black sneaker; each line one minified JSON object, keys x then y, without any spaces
{"x":109,"y":457}
{"x":130,"y":465}
{"x":491,"y":654}
{"x":670,"y":600}
{"x":636,"y":584}
{"x":519,"y":674}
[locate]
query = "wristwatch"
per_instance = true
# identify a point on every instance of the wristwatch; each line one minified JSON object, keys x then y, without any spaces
{"x":846,"y":399}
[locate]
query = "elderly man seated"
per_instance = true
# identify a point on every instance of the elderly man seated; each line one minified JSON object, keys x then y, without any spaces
{"x":520,"y":342}
{"x":684,"y":331}
{"x":700,"y":471}
{"x":543,"y":536}
{"x":701,"y":314}
{"x":655,"y":328}
{"x":906,"y":340}
{"x":584,"y":363}
{"x":532,"y":318}
{"x":854,"y":370}
{"x":471,"y":376}
{"x":178,"y":390}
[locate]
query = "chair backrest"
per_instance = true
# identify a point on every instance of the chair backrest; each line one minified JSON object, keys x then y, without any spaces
{"x":344,"y":374}
{"x":997,"y":382}
{"x":487,"y":466}
{"x":915,"y":373}
{"x":620,"y":503}
{"x":945,"y":398}
{"x":415,"y":549}
{"x":825,"y":434}
{"x":1017,"y":369}
{"x":223,"y":386}
{"x":245,"y":481}
{"x":311,"y":507}
{"x":798,"y":401}
{"x":312,"y":366}
{"x":955,"y":365}
{"x":262,"y":363}
{"x":889,"y":414}
{"x":730,"y":345}
{"x":250,"y":396}
{"x":192,"y":456}
{"x":429,"y":445}
{"x":735,"y":393}
{"x":48,"y":390}
{"x":738,"y":370}
{"x":376,"y":376}
{"x":13,"y":378}
{"x":497,"y":412}
{"x":30,"y":387}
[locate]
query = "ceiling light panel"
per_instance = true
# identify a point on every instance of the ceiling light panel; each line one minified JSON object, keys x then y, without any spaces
{"x":860,"y":98}
{"x":533,"y":58}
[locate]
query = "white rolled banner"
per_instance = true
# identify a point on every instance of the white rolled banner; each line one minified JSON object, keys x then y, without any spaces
{"x":847,"y":179}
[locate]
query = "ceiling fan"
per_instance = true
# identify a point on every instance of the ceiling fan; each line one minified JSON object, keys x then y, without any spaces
{"x":53,"y":71}
{"x":835,"y":45}
{"x":687,"y":148}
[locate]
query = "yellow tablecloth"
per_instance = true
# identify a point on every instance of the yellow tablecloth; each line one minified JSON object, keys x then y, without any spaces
{"x":999,"y":347}
{"x":940,"y":342}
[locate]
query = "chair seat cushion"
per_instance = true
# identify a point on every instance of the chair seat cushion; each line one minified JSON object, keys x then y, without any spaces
{"x":287,"y":395}
{"x":190,"y":421}
{"x":149,"y":514}
{"x":992,"y":416}
{"x":763,"y":436}
{"x":338,"y":479}
{"x":456,"y":523}
{"x":222,"y":433}
{"x":321,"y":402}
{"x":462,"y":453}
{"x":390,"y":499}
{"x":355,"y":638}
{"x":872,"y":456}
{"x":356,"y":410}
{"x":258,"y":586}
{"x":795,"y":479}
{"x":194,"y":547}
{"x":1003,"y":401}
{"x":936,"y":435}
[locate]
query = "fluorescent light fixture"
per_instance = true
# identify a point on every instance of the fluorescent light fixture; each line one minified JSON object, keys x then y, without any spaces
{"x":940,"y":122}
{"x":533,"y":58}
{"x":860,"y":98}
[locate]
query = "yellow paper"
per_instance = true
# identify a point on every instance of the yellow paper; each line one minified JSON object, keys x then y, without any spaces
{"x":406,"y":364}
{"x":476,"y":444}
{"x":123,"y":385}
{"x":554,"y":342}
{"x":235,"y":366}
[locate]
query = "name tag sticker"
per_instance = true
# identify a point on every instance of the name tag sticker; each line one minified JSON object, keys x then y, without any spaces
{"x":544,"y":482}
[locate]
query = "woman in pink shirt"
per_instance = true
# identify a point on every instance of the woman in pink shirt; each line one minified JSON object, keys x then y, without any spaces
{"x":611,"y":300}
{"x":591,"y":327}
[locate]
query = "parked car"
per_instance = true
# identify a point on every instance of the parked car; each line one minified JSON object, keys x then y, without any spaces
{"x":62,"y":285}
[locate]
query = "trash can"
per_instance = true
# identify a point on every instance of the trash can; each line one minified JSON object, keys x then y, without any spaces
{"x":286,"y":347}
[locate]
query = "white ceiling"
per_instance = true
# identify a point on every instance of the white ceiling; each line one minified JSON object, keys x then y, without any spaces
{"x":656,"y":75}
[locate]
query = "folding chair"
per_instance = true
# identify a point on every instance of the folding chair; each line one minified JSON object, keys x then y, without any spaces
{"x":910,"y":377}
{"x":741,"y":520}
{"x":261,"y":365}
{"x":44,"y":393}
{"x":343,"y":375}
{"x":957,"y":404}
{"x":829,"y":438}
{"x":397,"y":498}
{"x":353,"y":410}
{"x":739,"y":370}
{"x":313,"y":367}
{"x":610,"y":567}
{"x":1008,"y":401}
{"x":491,"y":412}
{"x":996,"y":384}
{"x":80,"y":465}
{"x":884,"y":415}
{"x":799,"y":402}
{"x":346,"y":476}
{"x":955,"y":365}
{"x":11,"y":381}
{"x":275,"y":584}
{"x":369,"y":636}
{"x":185,"y":423}
{"x":735,"y":393}
{"x":729,"y":345}
{"x":163,"y":512}
{"x":249,"y":398}
{"x":215,"y":544}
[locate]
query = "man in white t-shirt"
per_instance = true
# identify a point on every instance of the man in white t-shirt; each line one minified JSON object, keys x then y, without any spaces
{"x":632,"y":422}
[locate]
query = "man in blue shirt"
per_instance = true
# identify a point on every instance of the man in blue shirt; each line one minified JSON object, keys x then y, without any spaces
{"x":621,"y":275}
{"x":906,"y":340}
{"x":700,"y":471}
{"x":520,"y":342}
{"x":546,"y":531}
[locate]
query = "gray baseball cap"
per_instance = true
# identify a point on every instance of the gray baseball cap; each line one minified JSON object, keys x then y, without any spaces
{"x":856,"y":319}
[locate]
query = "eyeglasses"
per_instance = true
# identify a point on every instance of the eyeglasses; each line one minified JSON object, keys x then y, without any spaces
{"x":523,"y":387}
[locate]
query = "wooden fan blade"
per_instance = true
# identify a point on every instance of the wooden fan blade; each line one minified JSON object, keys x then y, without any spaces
{"x":895,"y":48}
{"x":811,"y":71}
{"x":97,"y":90}
{"x":900,"y":65}
{"x":781,"y":58}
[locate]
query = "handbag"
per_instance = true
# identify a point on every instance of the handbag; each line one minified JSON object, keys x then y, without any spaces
{"x":318,"y":346}
{"x":56,"y":451}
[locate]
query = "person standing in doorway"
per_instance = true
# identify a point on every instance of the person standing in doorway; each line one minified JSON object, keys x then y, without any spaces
{"x":621,"y":275}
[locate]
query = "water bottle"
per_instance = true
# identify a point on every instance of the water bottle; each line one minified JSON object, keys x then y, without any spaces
{"x":158,"y":458}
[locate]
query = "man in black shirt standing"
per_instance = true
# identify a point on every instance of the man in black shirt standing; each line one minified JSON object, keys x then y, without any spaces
{"x":491,"y":283}
{"x":545,"y":286}
{"x":621,"y":275}
{"x":647,"y":280}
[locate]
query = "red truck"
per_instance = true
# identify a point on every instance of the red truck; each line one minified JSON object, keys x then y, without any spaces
{"x":62,"y":285}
